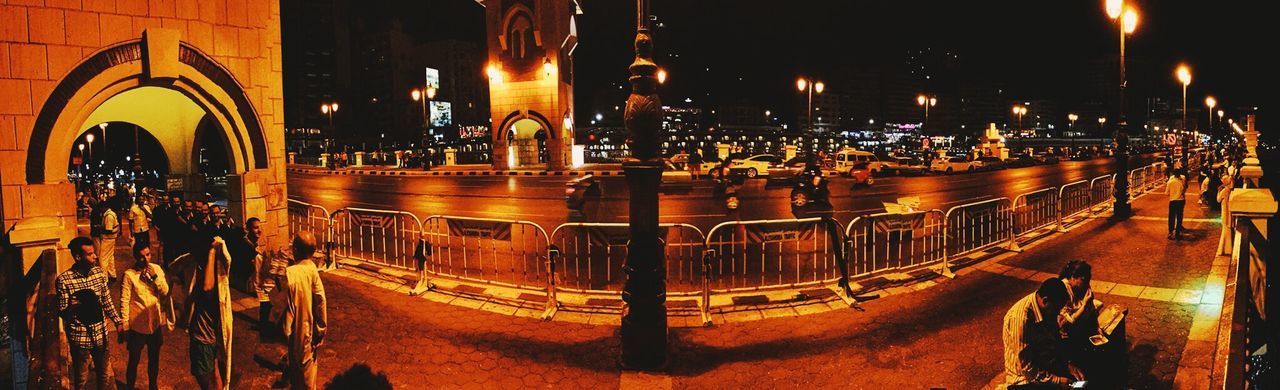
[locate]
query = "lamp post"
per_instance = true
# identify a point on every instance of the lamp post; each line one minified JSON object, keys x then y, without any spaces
{"x":1071,"y":128}
{"x":1019,"y":110}
{"x":89,"y":139}
{"x":805,"y":85}
{"x":1126,"y":19}
{"x":644,"y":321}
{"x":1220,"y":114}
{"x":422,"y":96}
{"x":1184,"y":77}
{"x":926,"y":102}
{"x":1211,"y":102}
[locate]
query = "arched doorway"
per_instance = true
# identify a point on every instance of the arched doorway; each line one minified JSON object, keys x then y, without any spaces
{"x":528,"y":142}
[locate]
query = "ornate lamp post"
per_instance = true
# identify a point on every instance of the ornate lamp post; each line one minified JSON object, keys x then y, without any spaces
{"x":644,"y":322}
{"x":926,"y":102}
{"x":805,"y":85}
{"x":1126,"y":19}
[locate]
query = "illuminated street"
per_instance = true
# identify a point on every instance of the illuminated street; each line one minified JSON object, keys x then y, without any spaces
{"x":647,"y":194}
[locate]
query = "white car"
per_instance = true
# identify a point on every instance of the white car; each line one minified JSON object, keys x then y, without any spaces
{"x":754,"y":166}
{"x":952,"y":165}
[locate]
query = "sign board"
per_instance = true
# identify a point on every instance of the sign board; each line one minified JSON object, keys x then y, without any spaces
{"x":432,"y":79}
{"x":374,"y":220}
{"x":494,"y":230}
{"x":174,"y":184}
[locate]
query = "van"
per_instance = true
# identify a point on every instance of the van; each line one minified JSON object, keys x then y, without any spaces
{"x":846,"y":159}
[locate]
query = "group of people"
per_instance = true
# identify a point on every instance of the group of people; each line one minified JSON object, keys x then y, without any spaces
{"x":1219,"y":173}
{"x":1056,"y":336}
{"x":204,"y":253}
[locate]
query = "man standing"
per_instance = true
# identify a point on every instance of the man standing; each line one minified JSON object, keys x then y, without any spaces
{"x":1177,"y":189}
{"x":305,"y":318}
{"x":208,"y":311}
{"x":1031,"y":340}
{"x":105,"y":241}
{"x":83,"y":301}
{"x":140,"y":223}
{"x":144,"y":286}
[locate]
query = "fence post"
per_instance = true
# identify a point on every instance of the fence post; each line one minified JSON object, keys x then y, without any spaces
{"x":552,"y":304}
{"x":707,"y":255}
{"x":1013,"y":225}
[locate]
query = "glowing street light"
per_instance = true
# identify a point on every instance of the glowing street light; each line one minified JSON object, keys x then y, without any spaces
{"x":926,"y":102}
{"x":1184,"y":77}
{"x":804,"y":85}
{"x":662,"y":76}
{"x":1211,"y":102}
{"x":328,"y":109}
{"x":1020,"y":111}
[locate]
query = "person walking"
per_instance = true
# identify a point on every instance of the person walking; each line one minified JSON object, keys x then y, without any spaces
{"x":105,"y":241}
{"x":695,"y":163}
{"x":144,"y":286}
{"x":305,"y":318}
{"x":83,"y":302}
{"x":1176,"y":187}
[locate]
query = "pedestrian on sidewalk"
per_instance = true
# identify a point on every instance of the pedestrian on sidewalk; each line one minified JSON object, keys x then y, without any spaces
{"x":695,"y":163}
{"x":208,"y":309}
{"x":144,"y":286}
{"x":305,"y":318}
{"x":83,"y":302}
{"x":1176,"y":187}
{"x":104,"y":241}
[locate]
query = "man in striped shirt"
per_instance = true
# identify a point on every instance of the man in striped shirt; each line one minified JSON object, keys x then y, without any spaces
{"x":1031,"y":340}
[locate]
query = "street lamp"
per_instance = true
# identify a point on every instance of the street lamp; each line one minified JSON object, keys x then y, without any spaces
{"x":422,"y":96}
{"x":806,"y":86}
{"x":1184,"y":77}
{"x":1020,"y":111}
{"x":1126,"y":19}
{"x":1211,"y":102}
{"x":926,"y":102}
{"x":1220,"y":114}
{"x":1071,"y":128}
{"x":101,"y":126}
{"x":89,"y":138}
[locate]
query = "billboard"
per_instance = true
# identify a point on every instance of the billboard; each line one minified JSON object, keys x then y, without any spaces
{"x":441,"y":114}
{"x":432,"y":79}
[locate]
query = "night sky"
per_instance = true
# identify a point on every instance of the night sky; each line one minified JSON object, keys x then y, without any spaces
{"x":756,"y":49}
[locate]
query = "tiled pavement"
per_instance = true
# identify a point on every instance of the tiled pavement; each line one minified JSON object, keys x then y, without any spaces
{"x":945,"y":336}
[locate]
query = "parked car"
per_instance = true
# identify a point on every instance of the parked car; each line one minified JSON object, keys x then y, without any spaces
{"x":952,"y":165}
{"x":1082,"y":155}
{"x":846,"y":159}
{"x":990,"y":163}
{"x":861,"y":174}
{"x":1045,"y":158}
{"x":756,"y":165}
{"x":904,"y":165}
{"x":1020,"y":160}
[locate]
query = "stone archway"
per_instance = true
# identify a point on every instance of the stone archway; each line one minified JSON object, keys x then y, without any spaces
{"x":158,"y":60}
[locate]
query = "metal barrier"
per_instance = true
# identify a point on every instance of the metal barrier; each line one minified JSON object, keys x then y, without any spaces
{"x":1036,"y":209}
{"x":1102,"y":189}
{"x":491,"y":251}
{"x":977,"y":226}
{"x":304,"y":216}
{"x":897,"y":242}
{"x":386,"y":237}
{"x":753,"y":255}
{"x":591,"y":257}
{"x":1074,"y":198}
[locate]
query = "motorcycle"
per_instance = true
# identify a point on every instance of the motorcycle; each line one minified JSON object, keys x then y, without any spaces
{"x":810,"y":187}
{"x":727,"y":185}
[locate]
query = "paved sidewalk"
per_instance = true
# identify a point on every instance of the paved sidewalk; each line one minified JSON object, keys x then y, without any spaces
{"x":946,"y":335}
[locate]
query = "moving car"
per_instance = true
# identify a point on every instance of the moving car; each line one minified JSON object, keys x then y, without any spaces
{"x":1045,"y":158}
{"x":952,"y":165}
{"x":904,"y":165}
{"x":756,"y":165}
{"x":861,"y":173}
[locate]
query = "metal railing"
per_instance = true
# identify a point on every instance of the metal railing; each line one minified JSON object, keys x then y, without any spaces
{"x":500,"y":252}
{"x":592,"y":255}
{"x":765,"y":254}
{"x":896,"y":242}
{"x":304,"y":216}
{"x":1035,"y":209}
{"x":386,"y":237}
{"x":980,"y":225}
{"x":1103,"y":190}
{"x":1074,"y":198}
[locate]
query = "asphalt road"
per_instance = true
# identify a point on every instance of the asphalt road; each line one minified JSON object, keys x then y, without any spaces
{"x":540,"y":199}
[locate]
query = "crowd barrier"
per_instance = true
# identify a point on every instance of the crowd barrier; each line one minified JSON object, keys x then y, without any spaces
{"x":732,"y":257}
{"x":754,"y":255}
{"x":886,"y":242}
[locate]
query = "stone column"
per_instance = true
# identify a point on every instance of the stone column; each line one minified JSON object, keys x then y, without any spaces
{"x":324,"y":160}
{"x":293,"y":158}
{"x":359,"y":159}
{"x":451,"y":156}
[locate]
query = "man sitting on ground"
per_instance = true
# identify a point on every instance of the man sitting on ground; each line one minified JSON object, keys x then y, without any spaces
{"x":1031,"y":340}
